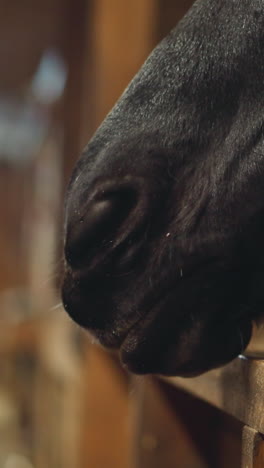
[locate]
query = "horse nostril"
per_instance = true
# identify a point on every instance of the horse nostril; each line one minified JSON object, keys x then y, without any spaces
{"x":97,"y":223}
{"x":102,"y":215}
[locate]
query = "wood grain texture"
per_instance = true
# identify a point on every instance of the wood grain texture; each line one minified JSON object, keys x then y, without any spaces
{"x":253,"y":449}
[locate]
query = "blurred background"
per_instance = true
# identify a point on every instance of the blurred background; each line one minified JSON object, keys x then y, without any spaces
{"x":64,"y":403}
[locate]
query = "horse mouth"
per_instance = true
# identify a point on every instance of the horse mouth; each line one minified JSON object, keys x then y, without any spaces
{"x":153,"y":345}
{"x":153,"y":356}
{"x":168,"y":331}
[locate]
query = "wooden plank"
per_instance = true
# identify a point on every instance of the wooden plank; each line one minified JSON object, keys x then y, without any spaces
{"x":124,"y":34}
{"x":113,"y":40}
{"x":253,"y":449}
{"x":108,"y":40}
{"x":174,"y":429}
{"x":162,"y":439}
{"x":106,"y":438}
{"x":237,"y":389}
{"x":77,"y":48}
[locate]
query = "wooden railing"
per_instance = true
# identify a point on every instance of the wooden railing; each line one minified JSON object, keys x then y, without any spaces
{"x":179,"y":422}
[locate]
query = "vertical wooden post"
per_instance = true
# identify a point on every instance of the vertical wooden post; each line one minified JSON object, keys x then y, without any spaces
{"x":163,"y":439}
{"x":117,"y":38}
{"x":106,"y":438}
{"x":124,"y":35}
{"x":77,"y":51}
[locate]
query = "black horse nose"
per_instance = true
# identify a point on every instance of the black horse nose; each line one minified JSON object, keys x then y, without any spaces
{"x":102,"y":222}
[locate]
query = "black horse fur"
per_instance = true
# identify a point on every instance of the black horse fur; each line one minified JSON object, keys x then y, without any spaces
{"x":164,"y":216}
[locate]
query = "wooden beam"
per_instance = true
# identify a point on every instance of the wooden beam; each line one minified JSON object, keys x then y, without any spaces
{"x":106,"y":437}
{"x":176,"y":430}
{"x":237,"y":389}
{"x":162,"y":438}
{"x":124,"y":35}
{"x":115,"y":37}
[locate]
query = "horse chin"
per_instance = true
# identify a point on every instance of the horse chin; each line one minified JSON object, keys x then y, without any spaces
{"x":190,"y":354}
